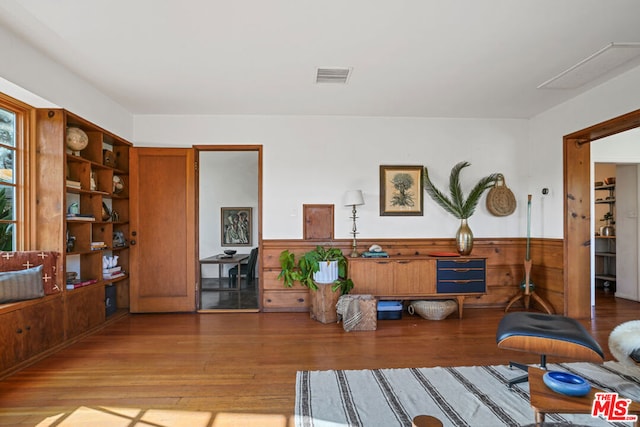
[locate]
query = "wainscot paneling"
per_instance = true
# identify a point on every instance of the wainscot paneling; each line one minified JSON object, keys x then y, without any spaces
{"x":505,"y":268}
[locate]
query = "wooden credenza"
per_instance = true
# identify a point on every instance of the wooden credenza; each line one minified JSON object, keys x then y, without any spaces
{"x":419,"y":277}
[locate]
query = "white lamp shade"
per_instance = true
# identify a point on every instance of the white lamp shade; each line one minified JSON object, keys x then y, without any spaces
{"x":353,"y":197}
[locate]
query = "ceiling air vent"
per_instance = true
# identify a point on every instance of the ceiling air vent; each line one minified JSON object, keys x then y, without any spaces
{"x":332,"y":75}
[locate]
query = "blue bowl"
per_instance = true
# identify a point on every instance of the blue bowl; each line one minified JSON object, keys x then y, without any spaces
{"x":565,"y":383}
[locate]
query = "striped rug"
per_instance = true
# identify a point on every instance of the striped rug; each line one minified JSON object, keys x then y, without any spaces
{"x":473,"y":396}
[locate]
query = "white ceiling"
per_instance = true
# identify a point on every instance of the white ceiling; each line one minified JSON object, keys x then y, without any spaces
{"x":426,"y":58}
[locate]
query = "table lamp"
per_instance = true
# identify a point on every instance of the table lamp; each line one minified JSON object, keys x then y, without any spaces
{"x":354,"y":198}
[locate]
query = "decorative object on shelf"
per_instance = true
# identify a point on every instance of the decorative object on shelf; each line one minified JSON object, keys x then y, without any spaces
{"x":354,"y":198}
{"x":106,"y":214}
{"x":118,"y":185}
{"x":527,"y":285}
{"x":71,"y":242}
{"x":500,"y":199}
{"x":235,"y":226}
{"x":109,"y":158}
{"x":118,"y":239}
{"x":401,"y":191}
{"x":77,"y":140}
{"x":93,"y":182}
{"x":433,"y":310}
{"x":457,"y":205}
{"x":608,"y":229}
{"x":566,"y":383}
{"x":610,"y":180}
{"x":73,"y":209}
{"x":115,"y":216}
{"x":109,"y":261}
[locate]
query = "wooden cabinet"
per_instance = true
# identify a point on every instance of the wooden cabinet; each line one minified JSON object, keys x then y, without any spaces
{"x":85,"y":309}
{"x":91,"y":208}
{"x":30,"y":330}
{"x":414,"y":277}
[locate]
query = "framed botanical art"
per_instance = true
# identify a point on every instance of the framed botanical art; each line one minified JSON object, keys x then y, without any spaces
{"x":401,"y":190}
{"x":236,"y":226}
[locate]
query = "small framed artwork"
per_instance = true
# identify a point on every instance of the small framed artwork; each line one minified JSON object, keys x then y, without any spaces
{"x":236,"y":226}
{"x":401,"y":190}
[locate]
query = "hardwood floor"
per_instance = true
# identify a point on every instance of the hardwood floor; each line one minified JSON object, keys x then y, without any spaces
{"x":239,"y":369}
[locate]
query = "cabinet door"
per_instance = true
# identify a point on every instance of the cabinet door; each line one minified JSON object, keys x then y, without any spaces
{"x":371,"y":277}
{"x":414,"y":277}
{"x":43,"y":325}
{"x":85,"y":309}
{"x":11,"y":334}
{"x":163,"y":263}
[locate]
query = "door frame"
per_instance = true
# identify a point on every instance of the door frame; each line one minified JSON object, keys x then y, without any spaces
{"x":577,"y":210}
{"x":258,"y":215}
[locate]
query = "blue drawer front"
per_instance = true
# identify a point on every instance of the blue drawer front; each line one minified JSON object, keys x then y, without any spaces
{"x":461,"y":286}
{"x":461,"y":263}
{"x":461,"y":274}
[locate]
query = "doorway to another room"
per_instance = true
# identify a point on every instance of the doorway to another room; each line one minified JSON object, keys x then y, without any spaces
{"x":229,"y":227}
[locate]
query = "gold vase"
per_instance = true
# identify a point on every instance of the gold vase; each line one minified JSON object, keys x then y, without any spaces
{"x":464,"y":238}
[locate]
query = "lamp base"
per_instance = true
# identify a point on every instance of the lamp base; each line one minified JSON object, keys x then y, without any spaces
{"x":354,"y":254}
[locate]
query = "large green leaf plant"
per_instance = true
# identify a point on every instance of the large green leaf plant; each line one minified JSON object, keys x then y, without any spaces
{"x":302,"y":269}
{"x":456,"y":203}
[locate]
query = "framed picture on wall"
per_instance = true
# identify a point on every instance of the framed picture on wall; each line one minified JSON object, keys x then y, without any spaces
{"x":236,"y":226}
{"x":401,"y":190}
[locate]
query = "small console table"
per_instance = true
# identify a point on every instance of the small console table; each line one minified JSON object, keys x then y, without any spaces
{"x":420,"y":277}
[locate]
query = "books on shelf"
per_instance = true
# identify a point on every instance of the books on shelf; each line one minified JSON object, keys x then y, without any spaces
{"x":74,"y":184}
{"x":97,"y":246}
{"x":112,"y":273}
{"x":78,"y":283}
{"x":375,"y":255}
{"x":80,"y":217}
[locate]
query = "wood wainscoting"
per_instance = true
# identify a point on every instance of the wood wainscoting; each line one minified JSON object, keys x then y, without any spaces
{"x":505,"y":268}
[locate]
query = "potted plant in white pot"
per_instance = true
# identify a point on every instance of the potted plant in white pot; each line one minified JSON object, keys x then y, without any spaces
{"x":457,"y":205}
{"x":324,"y":272}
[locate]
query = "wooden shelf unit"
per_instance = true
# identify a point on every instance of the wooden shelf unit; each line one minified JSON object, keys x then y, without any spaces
{"x":85,"y":306}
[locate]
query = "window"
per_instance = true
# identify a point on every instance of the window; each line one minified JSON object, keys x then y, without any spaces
{"x":13,"y":151}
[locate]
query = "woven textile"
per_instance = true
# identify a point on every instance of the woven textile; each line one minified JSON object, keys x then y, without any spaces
{"x":473,"y":396}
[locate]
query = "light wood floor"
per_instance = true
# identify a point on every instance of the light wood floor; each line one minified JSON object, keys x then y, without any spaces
{"x":239,"y":368}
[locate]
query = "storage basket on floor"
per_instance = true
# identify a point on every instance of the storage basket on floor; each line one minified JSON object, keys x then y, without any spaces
{"x":357,"y":312}
{"x":389,"y":310}
{"x":433,"y":310}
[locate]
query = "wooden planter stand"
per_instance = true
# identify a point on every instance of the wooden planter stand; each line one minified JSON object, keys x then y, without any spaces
{"x":323,"y":303}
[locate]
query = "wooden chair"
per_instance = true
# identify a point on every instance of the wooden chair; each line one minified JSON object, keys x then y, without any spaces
{"x":247,"y":270}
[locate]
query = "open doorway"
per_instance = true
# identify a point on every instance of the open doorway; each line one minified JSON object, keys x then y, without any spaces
{"x":229,"y":227}
{"x":578,"y":228}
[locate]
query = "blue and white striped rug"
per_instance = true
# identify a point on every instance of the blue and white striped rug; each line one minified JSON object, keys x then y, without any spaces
{"x":473,"y":396}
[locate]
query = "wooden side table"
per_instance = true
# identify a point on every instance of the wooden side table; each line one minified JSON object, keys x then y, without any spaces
{"x":544,"y":400}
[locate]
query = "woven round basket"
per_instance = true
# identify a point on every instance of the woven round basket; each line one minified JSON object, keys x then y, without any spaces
{"x":500,"y":200}
{"x":433,"y":310}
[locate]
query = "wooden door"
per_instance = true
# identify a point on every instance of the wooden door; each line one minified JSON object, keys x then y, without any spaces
{"x":163,"y":263}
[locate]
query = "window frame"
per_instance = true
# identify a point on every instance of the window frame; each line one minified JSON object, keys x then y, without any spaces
{"x":24,"y":167}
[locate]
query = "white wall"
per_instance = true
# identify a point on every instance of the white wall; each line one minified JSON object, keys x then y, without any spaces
{"x":612,"y":99}
{"x":55,"y":85}
{"x":317,"y":159}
